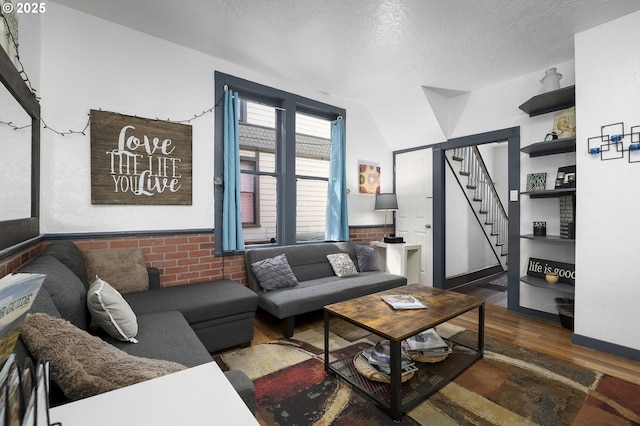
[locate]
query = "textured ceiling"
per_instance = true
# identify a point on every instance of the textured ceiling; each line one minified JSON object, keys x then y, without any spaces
{"x":366,"y":49}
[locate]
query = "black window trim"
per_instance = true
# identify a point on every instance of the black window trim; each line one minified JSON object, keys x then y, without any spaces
{"x":287,"y":105}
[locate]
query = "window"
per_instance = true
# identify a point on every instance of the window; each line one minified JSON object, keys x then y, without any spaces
{"x":248,"y":190}
{"x":285,"y":144}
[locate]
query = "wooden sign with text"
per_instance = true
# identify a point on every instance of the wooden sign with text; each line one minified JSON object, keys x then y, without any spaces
{"x":139,"y":161}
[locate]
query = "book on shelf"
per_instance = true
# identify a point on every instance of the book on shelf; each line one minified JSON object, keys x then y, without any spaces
{"x":403,"y":301}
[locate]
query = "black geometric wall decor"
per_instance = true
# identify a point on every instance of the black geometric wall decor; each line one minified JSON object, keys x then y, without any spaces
{"x":613,"y":143}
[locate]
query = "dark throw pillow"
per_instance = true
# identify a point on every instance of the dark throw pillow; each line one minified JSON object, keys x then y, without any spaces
{"x":274,"y":273}
{"x":367,"y":258}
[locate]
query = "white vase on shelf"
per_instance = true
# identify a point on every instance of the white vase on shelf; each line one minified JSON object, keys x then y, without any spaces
{"x":551,"y":80}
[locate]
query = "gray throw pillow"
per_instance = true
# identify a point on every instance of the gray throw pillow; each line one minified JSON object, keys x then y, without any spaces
{"x":367,"y":258}
{"x":342,"y":264}
{"x":111,"y":312}
{"x":274,"y":273}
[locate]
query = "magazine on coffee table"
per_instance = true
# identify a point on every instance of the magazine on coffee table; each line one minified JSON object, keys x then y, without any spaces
{"x":379,"y":357}
{"x":428,"y":342}
{"x":403,"y":301}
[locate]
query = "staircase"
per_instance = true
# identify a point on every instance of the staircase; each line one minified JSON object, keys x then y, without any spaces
{"x":483,"y":198}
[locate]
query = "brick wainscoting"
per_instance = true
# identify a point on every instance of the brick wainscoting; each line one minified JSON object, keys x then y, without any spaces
{"x":181,"y":259}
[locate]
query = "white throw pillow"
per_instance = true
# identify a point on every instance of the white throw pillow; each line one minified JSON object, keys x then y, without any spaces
{"x":342,"y":264}
{"x":111,"y":312}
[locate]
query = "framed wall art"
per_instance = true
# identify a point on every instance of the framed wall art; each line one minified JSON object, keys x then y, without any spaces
{"x":369,"y":178}
{"x":536,"y":181}
{"x":139,"y":161}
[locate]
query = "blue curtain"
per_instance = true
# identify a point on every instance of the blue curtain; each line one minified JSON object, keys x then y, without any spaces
{"x":337,"y":228}
{"x":231,"y":216}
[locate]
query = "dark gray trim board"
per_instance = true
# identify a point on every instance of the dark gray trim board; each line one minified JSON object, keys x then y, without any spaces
{"x":533,"y":313}
{"x":512,"y":136}
{"x":610,"y":348}
{"x":473,"y":277}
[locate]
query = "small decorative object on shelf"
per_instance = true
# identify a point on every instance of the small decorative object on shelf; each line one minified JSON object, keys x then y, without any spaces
{"x":610,"y":145}
{"x":551,"y":136}
{"x":536,"y":181}
{"x":551,"y":80}
{"x":540,"y":229}
{"x":567,"y":217}
{"x":564,"y":123}
{"x":566,"y":177}
{"x":551,"y":277}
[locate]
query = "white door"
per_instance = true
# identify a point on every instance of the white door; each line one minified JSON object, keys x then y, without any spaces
{"x":414,"y":189}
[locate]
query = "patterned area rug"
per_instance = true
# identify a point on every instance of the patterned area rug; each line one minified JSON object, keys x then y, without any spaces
{"x":509,"y":386}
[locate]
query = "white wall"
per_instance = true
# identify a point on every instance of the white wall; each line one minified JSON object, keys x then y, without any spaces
{"x":467,"y":247}
{"x":90,"y":63}
{"x":607,"y":231}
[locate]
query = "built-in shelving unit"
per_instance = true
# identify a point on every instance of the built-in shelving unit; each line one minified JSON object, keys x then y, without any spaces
{"x":541,"y":104}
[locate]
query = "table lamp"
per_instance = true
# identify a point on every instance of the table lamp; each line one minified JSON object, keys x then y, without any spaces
{"x":386,"y":203}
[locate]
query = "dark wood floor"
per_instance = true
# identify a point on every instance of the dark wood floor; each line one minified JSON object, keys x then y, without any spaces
{"x":493,"y":297}
{"x":535,"y":334}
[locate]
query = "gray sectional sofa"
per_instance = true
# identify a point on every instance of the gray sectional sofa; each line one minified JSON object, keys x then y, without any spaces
{"x":318,"y":285}
{"x":182,"y":324}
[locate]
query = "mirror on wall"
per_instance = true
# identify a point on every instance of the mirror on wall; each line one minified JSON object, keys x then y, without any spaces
{"x":20,"y":151}
{"x":15,"y":146}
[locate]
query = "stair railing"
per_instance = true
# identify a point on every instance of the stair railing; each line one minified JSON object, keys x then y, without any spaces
{"x":473,"y":166}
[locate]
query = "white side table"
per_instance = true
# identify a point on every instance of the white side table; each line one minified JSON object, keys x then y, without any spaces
{"x":200,"y":395}
{"x":401,"y":259}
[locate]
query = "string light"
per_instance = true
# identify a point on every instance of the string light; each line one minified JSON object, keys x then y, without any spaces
{"x":21,"y":69}
{"x":83,"y":132}
{"x":13,"y":126}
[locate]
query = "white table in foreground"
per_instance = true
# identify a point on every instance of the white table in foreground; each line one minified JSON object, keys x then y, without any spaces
{"x":200,"y":395}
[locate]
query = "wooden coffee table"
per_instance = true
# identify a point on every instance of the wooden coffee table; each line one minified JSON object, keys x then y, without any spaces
{"x":375,"y":315}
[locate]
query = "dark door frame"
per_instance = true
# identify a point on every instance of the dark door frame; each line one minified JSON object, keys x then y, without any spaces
{"x":512,"y":136}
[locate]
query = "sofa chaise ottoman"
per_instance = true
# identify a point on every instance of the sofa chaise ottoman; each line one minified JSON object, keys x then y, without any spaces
{"x":178,"y":324}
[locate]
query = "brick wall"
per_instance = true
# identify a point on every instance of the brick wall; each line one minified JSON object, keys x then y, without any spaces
{"x":181,"y":259}
{"x":364,"y":235}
